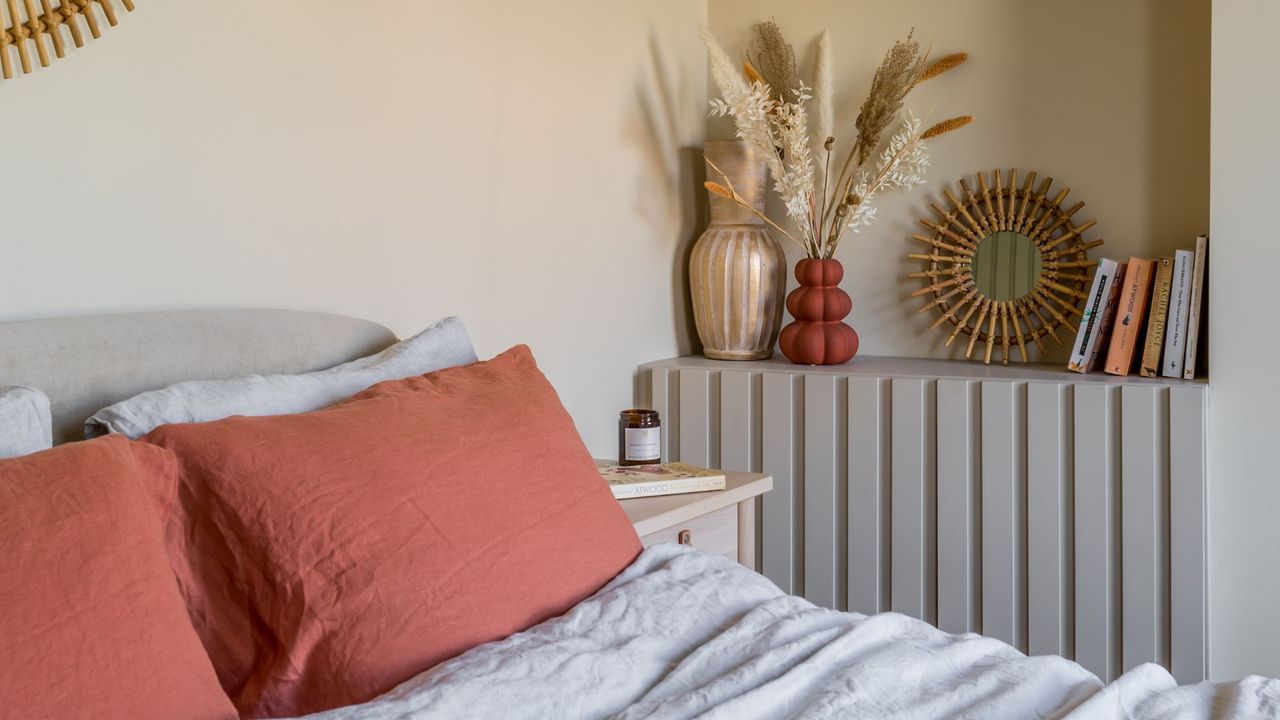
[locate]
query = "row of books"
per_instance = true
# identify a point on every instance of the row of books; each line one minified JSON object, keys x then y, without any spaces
{"x":1148,"y":313}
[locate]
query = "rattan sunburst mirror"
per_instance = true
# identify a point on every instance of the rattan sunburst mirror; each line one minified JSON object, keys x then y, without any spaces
{"x":28,"y":25}
{"x":1007,"y":265}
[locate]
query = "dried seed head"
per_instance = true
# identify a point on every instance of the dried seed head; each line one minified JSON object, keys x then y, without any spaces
{"x":718,"y":189}
{"x":941,"y":65}
{"x":829,"y":143}
{"x":946,"y":126}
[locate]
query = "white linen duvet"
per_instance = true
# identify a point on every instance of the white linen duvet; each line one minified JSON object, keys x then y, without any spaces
{"x":682,"y":634}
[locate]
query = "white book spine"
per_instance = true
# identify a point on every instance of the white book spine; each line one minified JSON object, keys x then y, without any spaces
{"x":1093,"y":325}
{"x":1106,"y":324}
{"x":1197,"y":303}
{"x":1175,"y":331}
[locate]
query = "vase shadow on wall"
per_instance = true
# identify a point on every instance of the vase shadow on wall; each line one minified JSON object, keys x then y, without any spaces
{"x":663,"y":128}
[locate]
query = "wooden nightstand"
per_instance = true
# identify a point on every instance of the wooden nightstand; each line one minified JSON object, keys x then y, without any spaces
{"x":721,"y":522}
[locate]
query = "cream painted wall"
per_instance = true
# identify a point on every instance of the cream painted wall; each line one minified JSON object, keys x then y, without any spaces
{"x":527,"y":166}
{"x":1244,"y":490}
{"x":1110,"y":98}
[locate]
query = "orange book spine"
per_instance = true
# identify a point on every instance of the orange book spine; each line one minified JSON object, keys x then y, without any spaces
{"x":1126,"y":334}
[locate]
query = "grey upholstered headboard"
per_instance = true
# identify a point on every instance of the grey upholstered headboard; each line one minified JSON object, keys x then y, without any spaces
{"x":87,"y":363}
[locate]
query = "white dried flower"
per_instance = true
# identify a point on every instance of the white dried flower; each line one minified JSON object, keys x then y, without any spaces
{"x":903,"y":164}
{"x":778,"y":130}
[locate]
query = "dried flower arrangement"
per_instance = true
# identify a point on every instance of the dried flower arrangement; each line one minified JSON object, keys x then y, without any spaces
{"x":770,"y":103}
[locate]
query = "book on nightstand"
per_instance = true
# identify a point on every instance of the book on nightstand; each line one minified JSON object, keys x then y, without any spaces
{"x":1126,"y":335}
{"x":674,"y":478}
{"x":1151,"y":352}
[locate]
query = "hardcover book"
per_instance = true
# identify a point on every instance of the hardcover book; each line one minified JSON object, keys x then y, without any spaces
{"x":1126,"y":333}
{"x":1150,"y":365}
{"x":1175,"y":331}
{"x":1197,"y":307}
{"x":672,"y":478}
{"x":1099,"y":308}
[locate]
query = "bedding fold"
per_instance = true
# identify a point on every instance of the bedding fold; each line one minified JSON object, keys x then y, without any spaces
{"x":681,"y":634}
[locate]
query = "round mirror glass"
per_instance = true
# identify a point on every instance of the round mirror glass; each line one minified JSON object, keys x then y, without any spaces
{"x":1006,"y":266}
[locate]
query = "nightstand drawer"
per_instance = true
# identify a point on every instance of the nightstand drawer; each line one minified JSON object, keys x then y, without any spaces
{"x":716,"y":533}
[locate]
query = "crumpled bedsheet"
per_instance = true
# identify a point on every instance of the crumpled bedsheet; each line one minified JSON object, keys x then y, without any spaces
{"x":683,"y":634}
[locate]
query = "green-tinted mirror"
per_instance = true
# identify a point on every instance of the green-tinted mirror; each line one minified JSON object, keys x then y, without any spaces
{"x":1006,"y":265}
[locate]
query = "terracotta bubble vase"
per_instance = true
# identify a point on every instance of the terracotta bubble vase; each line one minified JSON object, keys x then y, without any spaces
{"x":819,"y":335}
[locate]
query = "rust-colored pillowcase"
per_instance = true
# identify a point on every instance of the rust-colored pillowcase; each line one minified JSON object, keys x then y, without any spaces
{"x":329,"y":556}
{"x":91,"y":621}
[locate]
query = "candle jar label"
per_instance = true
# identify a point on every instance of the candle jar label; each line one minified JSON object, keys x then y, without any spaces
{"x":643,"y":445}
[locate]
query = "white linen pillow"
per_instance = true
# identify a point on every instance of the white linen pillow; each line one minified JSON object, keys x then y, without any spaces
{"x":26,"y":425}
{"x":444,"y":344}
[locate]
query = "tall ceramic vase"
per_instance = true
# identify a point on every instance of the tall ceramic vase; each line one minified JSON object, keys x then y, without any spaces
{"x":819,"y":335}
{"x":737,"y":272}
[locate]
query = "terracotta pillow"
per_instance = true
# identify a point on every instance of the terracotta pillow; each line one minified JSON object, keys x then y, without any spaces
{"x":329,"y":556}
{"x":91,"y":621}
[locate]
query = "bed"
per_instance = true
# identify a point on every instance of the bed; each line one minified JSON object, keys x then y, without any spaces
{"x":677,"y":634}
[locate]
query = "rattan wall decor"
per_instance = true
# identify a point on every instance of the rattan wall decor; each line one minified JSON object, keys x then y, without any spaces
{"x":1006,"y":265}
{"x":25,"y":28}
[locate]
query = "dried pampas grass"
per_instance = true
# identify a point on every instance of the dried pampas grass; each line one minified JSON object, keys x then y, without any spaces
{"x":823,"y":93}
{"x":898,"y":72}
{"x":723,"y":70}
{"x":774,"y":57}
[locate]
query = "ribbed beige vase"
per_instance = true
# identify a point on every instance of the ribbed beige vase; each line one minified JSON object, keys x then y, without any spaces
{"x":737,"y":273}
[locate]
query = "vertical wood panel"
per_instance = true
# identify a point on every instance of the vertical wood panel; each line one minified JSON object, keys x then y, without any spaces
{"x":959,"y":507}
{"x":699,"y":417}
{"x":1035,"y":540}
{"x":1050,"y":591}
{"x":664,"y":390}
{"x":783,"y":428}
{"x":824,"y":453}
{"x":1144,"y":535}
{"x":913,"y":527}
{"x":739,"y":421}
{"x":1188,"y":538}
{"x":1097,"y":512}
{"x":1004,"y":592}
{"x":869,"y":494}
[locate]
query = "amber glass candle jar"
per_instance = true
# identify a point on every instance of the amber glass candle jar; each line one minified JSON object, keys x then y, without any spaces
{"x":639,"y":437}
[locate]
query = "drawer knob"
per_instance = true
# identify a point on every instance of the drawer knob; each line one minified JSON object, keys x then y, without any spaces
{"x":684,"y":537}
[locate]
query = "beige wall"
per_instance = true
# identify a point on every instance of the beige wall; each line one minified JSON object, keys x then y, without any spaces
{"x":527,"y":166}
{"x":523,"y":165}
{"x":1110,"y":98}
{"x":1244,"y":490}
